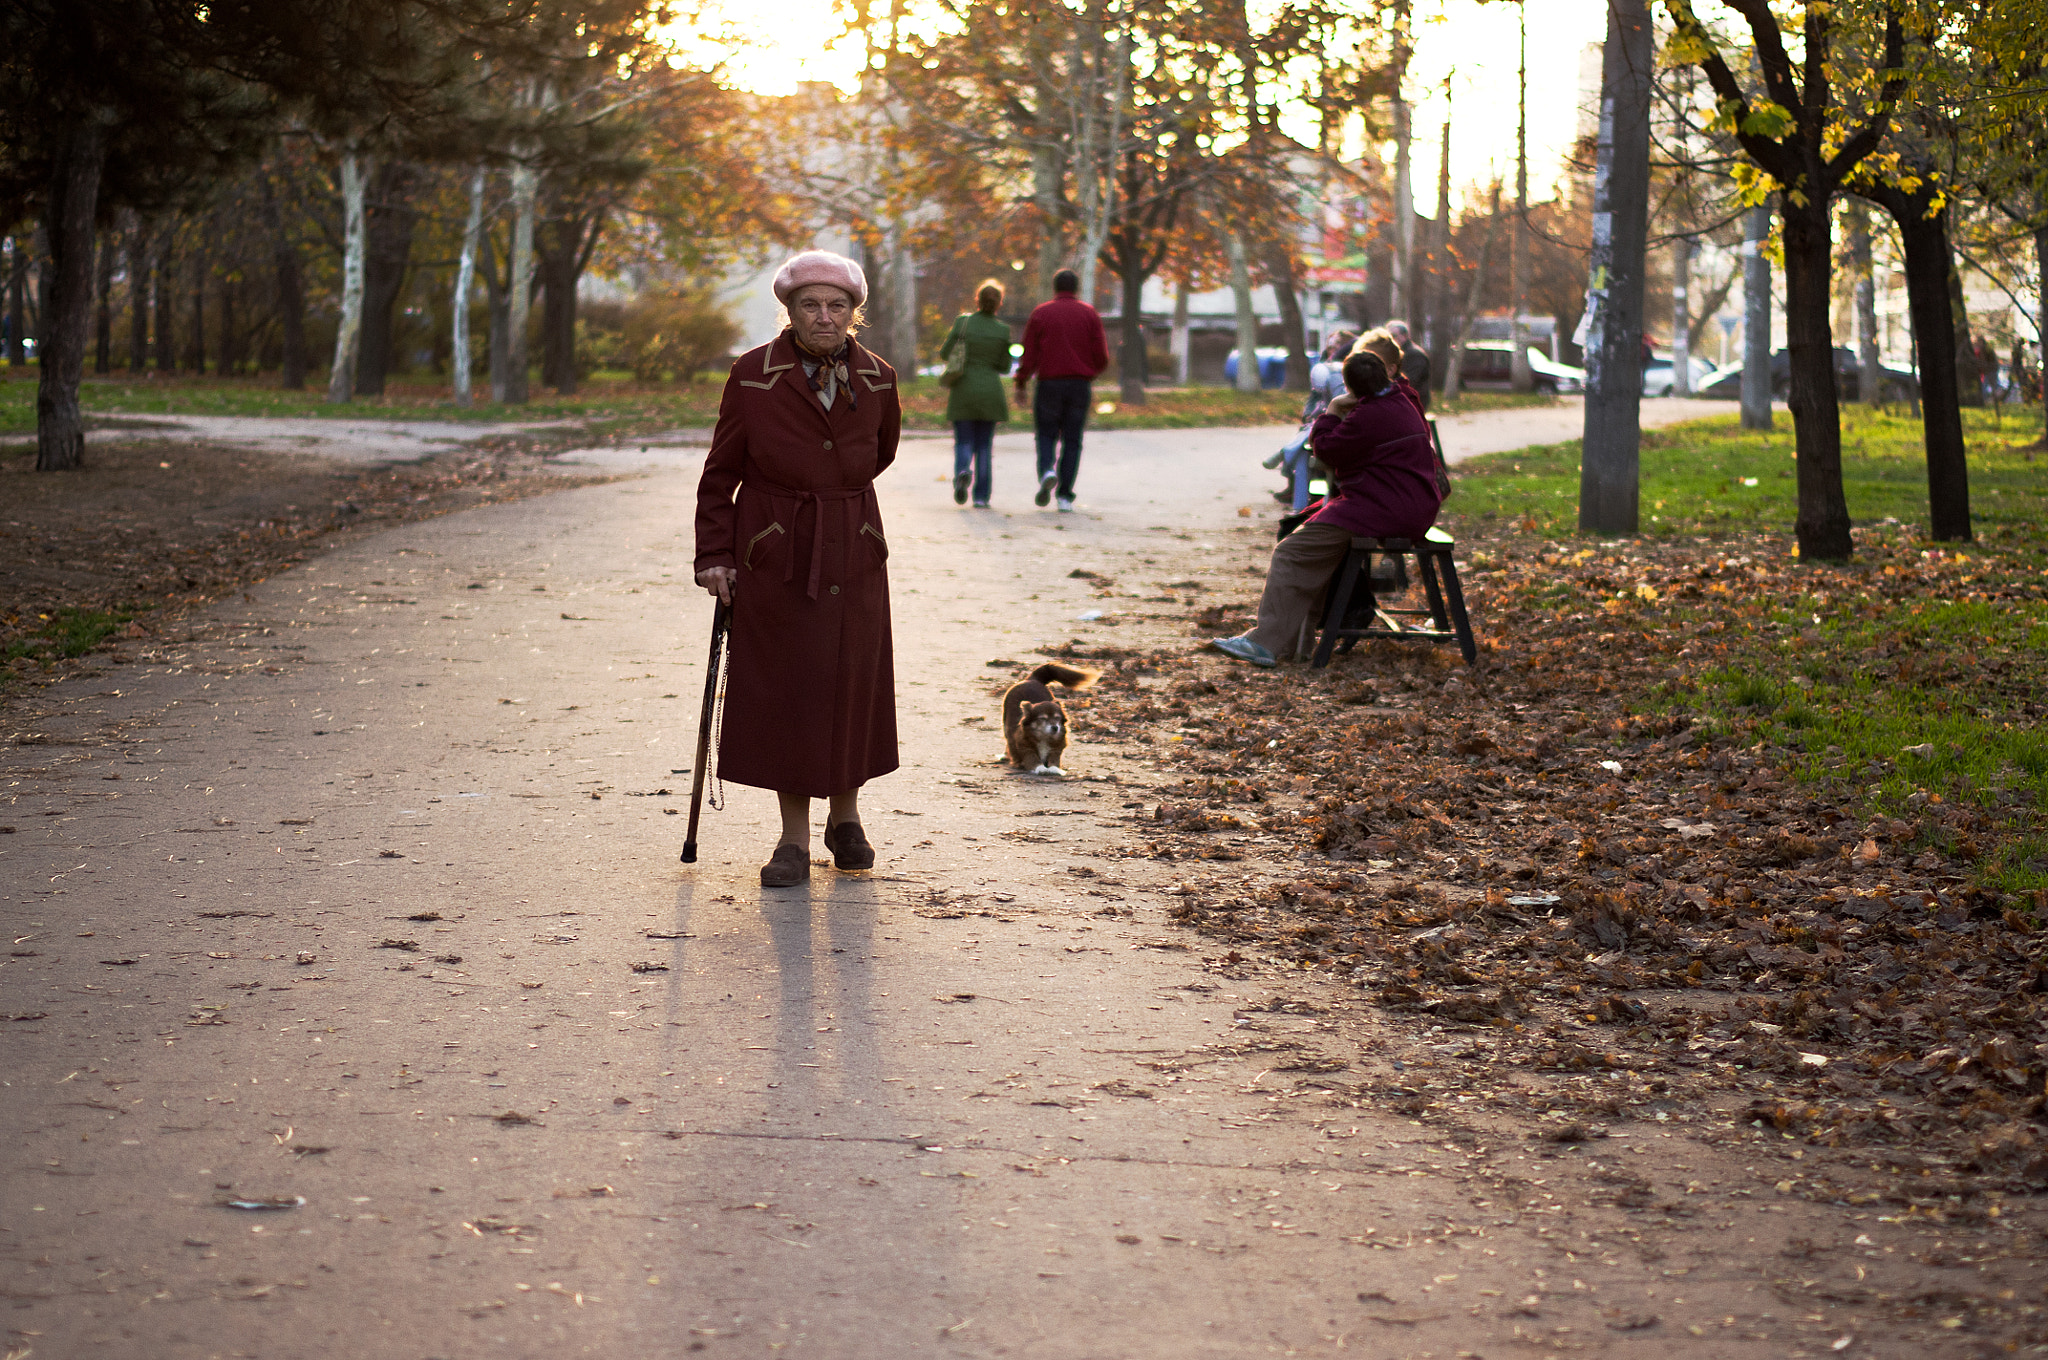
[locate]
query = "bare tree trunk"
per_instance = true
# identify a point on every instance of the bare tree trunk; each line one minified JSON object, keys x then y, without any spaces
{"x":103,"y":295}
{"x":1454,"y":370}
{"x":1969,"y":371}
{"x":196,"y":355}
{"x":2041,"y":322}
{"x":1756,"y":321}
{"x":1101,"y":140}
{"x":1610,"y":462}
{"x":1518,"y":245}
{"x":17,"y":303}
{"x":1180,"y":333}
{"x":67,"y":295}
{"x":525,"y":189}
{"x":903,"y":305}
{"x":341,"y":378}
{"x":138,"y":293}
{"x":556,"y":242}
{"x":465,"y":278}
{"x":1293,"y":333}
{"x":1930,"y":268}
{"x":1401,"y":303}
{"x":166,"y":302}
{"x":1681,"y":319}
{"x":1823,"y":523}
{"x":1247,"y":319}
{"x":1047,"y":176}
{"x":1133,"y":358}
{"x":1869,"y":365}
{"x":388,"y":218}
{"x":291,"y":294}
{"x":1437,"y":324}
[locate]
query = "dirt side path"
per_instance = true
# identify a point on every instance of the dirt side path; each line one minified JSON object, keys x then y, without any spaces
{"x":364,"y":903}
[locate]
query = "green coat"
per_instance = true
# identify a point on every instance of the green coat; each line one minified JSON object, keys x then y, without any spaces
{"x":979,"y":393}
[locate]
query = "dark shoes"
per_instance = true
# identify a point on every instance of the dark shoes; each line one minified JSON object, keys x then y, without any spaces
{"x":849,"y":846}
{"x":959,"y":488}
{"x":787,"y":867}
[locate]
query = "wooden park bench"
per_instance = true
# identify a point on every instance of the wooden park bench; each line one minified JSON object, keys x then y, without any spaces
{"x":1345,"y":623}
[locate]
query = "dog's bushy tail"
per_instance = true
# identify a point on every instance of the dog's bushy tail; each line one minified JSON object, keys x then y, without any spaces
{"x":1066,"y":675}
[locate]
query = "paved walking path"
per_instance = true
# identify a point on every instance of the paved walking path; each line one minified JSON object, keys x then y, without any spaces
{"x":365,"y":903}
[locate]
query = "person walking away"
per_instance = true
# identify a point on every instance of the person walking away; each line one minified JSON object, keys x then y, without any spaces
{"x":789,"y":534}
{"x":1375,"y":443}
{"x":976,"y":405}
{"x":1414,"y":361}
{"x":1064,"y":348}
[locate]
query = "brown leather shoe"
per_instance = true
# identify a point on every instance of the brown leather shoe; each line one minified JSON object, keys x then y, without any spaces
{"x":849,"y":846}
{"x":787,"y":867}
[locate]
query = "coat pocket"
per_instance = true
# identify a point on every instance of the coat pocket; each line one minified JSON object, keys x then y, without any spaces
{"x":747,"y":558}
{"x":874,"y":535}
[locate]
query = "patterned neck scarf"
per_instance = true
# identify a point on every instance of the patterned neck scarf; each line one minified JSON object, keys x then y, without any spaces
{"x":828,"y":374}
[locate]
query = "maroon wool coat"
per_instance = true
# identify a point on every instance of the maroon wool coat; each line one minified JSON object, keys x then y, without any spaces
{"x":788,"y":499}
{"x":1384,"y":466}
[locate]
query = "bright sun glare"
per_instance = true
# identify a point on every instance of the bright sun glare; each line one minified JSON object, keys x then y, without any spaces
{"x":1467,"y":42}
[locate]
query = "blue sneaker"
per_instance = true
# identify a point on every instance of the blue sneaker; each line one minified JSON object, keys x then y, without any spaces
{"x":1244,"y":649}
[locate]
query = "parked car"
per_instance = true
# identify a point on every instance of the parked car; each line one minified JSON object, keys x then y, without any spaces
{"x":1899,"y":385}
{"x":1489,"y":367}
{"x":1657,"y":375}
{"x":1272,"y":366}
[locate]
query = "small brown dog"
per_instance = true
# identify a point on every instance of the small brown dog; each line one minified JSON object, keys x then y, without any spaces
{"x":1034,"y":723}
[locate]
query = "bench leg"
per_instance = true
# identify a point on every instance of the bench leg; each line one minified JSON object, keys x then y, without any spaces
{"x":1437,"y":617}
{"x":1339,"y":602}
{"x":1459,"y":621}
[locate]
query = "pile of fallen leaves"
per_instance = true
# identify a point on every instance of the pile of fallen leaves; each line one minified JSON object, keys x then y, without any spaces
{"x":1600,"y":887}
{"x":104,"y":540}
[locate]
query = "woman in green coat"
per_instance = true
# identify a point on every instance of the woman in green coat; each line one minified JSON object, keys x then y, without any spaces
{"x":977,"y":402}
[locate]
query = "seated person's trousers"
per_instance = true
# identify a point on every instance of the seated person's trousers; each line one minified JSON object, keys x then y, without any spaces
{"x":1290,"y":607}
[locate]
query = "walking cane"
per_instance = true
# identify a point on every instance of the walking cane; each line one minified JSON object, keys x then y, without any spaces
{"x":720,"y":618}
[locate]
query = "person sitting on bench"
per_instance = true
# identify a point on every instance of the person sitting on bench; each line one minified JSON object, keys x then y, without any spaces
{"x":1375,"y":443}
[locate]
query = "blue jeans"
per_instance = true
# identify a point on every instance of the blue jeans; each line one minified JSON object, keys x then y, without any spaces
{"x":972,"y":442}
{"x":1059,"y":409}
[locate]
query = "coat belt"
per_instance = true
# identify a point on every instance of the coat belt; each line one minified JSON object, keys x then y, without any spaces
{"x":780,"y":494}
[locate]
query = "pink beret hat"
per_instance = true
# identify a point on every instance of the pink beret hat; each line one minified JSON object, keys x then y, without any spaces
{"x":821,"y":266}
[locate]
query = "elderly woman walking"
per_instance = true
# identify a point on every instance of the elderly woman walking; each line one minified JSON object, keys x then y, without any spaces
{"x":790,"y":535}
{"x":977,"y":404}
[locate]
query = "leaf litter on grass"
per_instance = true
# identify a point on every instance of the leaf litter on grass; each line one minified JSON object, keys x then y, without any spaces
{"x":1611,"y":857}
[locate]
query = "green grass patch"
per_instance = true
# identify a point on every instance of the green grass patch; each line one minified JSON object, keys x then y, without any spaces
{"x":617,"y":400}
{"x":1925,"y":706}
{"x":1713,"y":477}
{"x":67,"y":633}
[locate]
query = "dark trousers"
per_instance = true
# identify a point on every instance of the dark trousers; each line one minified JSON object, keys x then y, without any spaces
{"x":973,"y":441}
{"x":1060,"y":409}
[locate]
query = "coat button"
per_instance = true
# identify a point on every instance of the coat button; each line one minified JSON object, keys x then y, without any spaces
{"x":835,"y":590}
{"x":828,"y":443}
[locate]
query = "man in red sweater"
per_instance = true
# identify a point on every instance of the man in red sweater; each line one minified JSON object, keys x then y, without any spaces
{"x":1065,"y":347}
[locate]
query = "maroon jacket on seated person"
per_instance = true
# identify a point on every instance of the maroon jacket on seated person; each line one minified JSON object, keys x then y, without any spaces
{"x":1384,"y":467}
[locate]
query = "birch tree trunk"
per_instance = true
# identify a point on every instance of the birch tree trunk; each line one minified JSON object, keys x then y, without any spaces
{"x":465,"y":278}
{"x":525,"y":190}
{"x":1247,"y":319}
{"x":341,"y":378}
{"x":1401,"y":300}
{"x":1102,"y":126}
